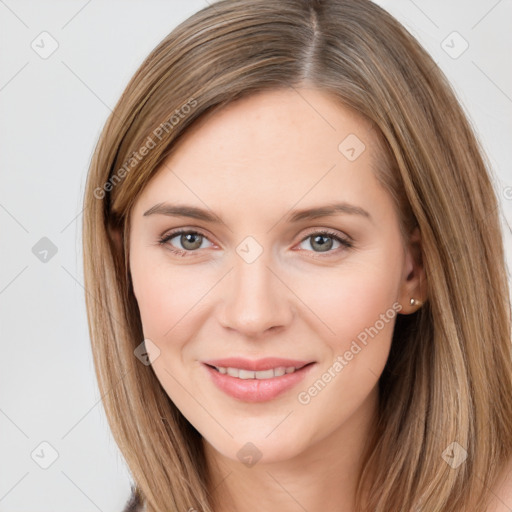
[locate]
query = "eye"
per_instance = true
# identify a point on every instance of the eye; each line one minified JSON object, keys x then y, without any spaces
{"x":324,"y":240}
{"x":190,"y":241}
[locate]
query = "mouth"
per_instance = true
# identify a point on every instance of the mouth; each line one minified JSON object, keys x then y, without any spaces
{"x":271,"y":373}
{"x":257,"y":385}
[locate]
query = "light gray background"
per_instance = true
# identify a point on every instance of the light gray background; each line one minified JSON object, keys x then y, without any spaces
{"x":52,"y":111}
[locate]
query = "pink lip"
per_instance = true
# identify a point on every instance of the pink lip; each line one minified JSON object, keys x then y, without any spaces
{"x":257,"y":390}
{"x":258,"y":365}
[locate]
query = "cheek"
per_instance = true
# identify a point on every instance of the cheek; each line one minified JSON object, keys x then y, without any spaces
{"x":349,"y":299}
{"x":361,"y":315}
{"x":167,"y":297}
{"x":356,"y":307}
{"x":156,"y":306}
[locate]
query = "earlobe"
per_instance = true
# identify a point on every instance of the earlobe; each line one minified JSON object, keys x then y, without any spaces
{"x":416,"y":302}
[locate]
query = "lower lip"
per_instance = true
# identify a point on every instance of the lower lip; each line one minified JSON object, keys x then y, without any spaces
{"x":257,"y":390}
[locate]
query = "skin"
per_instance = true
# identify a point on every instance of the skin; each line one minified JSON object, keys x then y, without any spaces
{"x":501,"y":496}
{"x":252,"y":163}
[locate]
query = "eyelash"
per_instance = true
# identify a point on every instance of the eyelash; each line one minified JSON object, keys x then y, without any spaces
{"x":348,"y":244}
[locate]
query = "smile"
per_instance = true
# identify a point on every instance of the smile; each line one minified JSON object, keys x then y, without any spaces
{"x":256,"y":384}
{"x":263,"y":374}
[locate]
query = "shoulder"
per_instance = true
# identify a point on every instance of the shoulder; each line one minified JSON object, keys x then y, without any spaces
{"x":134,"y":503}
{"x":501,"y":500}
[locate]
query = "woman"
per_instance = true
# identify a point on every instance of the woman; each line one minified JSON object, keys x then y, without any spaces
{"x":297,"y":288}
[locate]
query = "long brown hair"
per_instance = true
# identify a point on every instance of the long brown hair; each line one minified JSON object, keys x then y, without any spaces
{"x":448,"y":378}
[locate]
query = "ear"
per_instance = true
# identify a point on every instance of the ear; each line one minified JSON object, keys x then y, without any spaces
{"x":414,"y":283}
{"x":116,"y":236}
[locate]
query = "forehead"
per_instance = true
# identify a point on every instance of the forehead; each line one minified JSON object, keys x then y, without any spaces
{"x":283,"y":146}
{"x":293,"y":120}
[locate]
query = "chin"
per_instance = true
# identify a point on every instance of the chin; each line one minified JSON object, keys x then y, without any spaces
{"x":257,"y":449}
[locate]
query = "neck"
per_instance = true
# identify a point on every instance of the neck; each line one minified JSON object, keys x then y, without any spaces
{"x":323,"y":476}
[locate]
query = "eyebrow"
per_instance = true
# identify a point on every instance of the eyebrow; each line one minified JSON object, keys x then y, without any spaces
{"x":177,"y":210}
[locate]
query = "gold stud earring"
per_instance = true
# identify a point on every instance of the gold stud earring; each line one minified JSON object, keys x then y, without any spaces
{"x":416,"y":302}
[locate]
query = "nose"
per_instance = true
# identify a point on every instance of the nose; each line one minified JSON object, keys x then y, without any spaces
{"x":256,"y":298}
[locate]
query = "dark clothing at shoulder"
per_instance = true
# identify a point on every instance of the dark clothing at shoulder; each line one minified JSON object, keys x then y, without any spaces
{"x":134,"y":503}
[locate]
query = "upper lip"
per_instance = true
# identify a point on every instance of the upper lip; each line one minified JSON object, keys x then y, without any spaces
{"x":256,"y":365}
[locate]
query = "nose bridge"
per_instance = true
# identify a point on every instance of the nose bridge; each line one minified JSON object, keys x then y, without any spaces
{"x":256,"y":299}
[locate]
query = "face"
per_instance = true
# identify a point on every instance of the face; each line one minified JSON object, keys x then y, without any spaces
{"x":259,"y":278}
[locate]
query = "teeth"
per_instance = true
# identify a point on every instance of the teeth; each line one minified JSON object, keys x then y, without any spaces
{"x":248,"y":374}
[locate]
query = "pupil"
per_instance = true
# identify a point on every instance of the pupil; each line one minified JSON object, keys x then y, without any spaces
{"x":324,"y":246}
{"x":186,"y":240}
